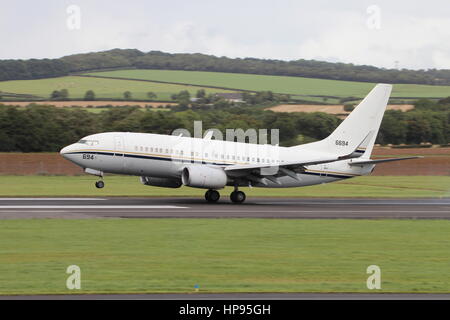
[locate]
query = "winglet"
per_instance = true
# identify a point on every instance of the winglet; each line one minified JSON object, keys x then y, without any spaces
{"x":361,"y":149}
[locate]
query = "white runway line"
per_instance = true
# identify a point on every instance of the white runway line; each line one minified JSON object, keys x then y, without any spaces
{"x":308,"y":212}
{"x":50,"y":199}
{"x":35,"y":211}
{"x":380,"y":203}
{"x":92,"y":207}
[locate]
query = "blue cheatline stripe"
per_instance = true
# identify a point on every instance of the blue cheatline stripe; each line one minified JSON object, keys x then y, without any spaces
{"x":136,"y":156}
{"x":202,"y":162}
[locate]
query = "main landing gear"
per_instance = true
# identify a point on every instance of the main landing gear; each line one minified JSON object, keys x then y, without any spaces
{"x":99,"y":184}
{"x":236,"y":196}
{"x":212,"y":196}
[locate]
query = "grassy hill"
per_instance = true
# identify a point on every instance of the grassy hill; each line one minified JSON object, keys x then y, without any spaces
{"x":103,"y":88}
{"x":134,"y":59}
{"x":279,"y":84}
{"x":112,"y":85}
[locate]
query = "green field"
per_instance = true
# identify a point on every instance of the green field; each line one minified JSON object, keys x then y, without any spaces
{"x":103,"y":88}
{"x":223,"y":255}
{"x":279,"y":84}
{"x":183,"y":80}
{"x":376,"y":186}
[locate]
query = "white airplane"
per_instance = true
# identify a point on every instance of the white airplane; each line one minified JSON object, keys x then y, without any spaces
{"x":172,"y":161}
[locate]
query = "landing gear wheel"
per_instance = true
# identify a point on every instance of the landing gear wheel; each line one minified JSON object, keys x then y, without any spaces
{"x":212,"y":196}
{"x":99,"y":184}
{"x":237,"y":196}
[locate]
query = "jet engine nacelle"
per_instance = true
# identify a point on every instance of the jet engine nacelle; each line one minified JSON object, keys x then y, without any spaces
{"x":204,"y":177}
{"x":161,"y":182}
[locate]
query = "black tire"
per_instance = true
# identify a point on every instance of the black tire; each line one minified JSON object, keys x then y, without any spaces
{"x":99,"y":184}
{"x":212,"y":196}
{"x":237,"y":196}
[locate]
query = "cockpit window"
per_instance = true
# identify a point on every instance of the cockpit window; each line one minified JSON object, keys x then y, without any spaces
{"x":88,"y":142}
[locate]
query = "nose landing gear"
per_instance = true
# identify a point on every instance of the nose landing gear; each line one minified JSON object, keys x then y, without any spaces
{"x":99,"y":184}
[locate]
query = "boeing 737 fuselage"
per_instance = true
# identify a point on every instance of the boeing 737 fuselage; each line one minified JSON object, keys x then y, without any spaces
{"x":172,"y":161}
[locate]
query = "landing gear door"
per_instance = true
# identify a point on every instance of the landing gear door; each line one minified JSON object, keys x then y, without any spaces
{"x":118,"y":150}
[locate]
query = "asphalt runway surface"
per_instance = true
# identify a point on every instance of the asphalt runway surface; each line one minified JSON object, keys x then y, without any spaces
{"x":283,"y":208}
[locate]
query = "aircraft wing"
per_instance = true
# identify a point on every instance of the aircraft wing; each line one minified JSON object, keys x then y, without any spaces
{"x":256,"y":172}
{"x":370,"y":161}
{"x":296,"y":164}
{"x":238,"y":167}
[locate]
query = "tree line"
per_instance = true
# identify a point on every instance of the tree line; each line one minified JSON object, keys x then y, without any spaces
{"x":45,"y":128}
{"x":63,"y":95}
{"x":132,"y":58}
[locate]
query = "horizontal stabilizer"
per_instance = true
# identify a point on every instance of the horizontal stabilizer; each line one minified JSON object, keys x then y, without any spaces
{"x":360,"y":162}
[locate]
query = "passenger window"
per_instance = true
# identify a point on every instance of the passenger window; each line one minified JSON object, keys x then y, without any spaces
{"x":142,"y":149}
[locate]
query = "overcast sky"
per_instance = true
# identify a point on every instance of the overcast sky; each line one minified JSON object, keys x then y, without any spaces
{"x":407,"y":34}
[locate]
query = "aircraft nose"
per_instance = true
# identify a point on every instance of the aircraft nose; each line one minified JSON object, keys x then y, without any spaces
{"x":64,"y":151}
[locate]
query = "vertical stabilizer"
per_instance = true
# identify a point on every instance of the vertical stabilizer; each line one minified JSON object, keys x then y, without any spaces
{"x":360,"y":129}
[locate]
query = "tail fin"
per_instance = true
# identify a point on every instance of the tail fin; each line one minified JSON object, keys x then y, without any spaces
{"x":359,"y":130}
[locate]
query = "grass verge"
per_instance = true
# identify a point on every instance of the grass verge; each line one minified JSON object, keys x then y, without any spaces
{"x":223,"y":255}
{"x":376,"y":186}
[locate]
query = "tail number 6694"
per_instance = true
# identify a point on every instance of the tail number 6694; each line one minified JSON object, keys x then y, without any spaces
{"x":341,"y":143}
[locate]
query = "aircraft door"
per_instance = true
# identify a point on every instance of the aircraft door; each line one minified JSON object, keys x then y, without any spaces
{"x":324,"y":170}
{"x":118,"y":151}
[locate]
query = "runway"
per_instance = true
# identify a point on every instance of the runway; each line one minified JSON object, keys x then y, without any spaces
{"x":282,"y":208}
